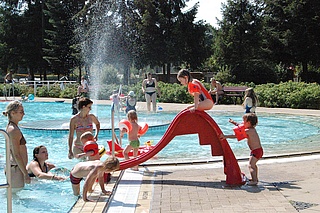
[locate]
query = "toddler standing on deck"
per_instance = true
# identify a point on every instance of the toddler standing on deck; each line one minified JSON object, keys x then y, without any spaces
{"x":133,"y":137}
{"x":202,"y":98}
{"x":250,"y":120}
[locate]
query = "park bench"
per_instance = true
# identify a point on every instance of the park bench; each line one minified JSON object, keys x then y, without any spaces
{"x":235,"y":92}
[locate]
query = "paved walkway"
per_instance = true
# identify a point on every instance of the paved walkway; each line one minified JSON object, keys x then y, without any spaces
{"x":288,"y":184}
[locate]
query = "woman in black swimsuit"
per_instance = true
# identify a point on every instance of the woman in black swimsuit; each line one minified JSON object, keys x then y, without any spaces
{"x":150,"y":89}
{"x":18,"y":149}
{"x":39,"y":167}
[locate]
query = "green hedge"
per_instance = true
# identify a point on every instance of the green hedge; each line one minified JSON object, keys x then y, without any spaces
{"x":290,"y":94}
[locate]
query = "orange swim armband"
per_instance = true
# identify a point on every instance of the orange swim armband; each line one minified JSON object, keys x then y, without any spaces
{"x":144,"y":128}
{"x":240,"y":132}
{"x":125,"y":124}
{"x":91,"y":146}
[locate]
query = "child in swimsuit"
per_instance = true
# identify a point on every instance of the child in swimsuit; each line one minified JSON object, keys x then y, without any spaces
{"x":250,"y":101}
{"x":90,"y":154}
{"x":202,"y":98}
{"x":91,"y":170}
{"x":133,"y":137}
{"x":250,"y":120}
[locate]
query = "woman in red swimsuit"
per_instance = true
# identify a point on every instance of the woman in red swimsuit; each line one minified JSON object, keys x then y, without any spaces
{"x":202,"y":98}
{"x":18,"y":148}
{"x":81,"y":122}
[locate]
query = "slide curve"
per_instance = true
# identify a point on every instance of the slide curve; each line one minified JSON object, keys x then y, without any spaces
{"x":208,"y":131}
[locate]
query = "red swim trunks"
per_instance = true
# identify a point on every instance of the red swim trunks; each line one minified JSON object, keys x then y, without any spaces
{"x":75,"y":180}
{"x":257,"y":153}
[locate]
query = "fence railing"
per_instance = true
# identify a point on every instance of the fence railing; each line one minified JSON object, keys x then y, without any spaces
{"x":8,"y":89}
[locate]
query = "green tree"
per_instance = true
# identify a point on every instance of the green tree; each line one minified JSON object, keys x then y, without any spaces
{"x":292,"y":32}
{"x":239,"y":41}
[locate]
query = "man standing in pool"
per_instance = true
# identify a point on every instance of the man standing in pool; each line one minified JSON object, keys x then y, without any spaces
{"x":250,"y":120}
{"x":91,"y":170}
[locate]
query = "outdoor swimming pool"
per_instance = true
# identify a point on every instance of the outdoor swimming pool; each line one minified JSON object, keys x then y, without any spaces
{"x":279,"y":134}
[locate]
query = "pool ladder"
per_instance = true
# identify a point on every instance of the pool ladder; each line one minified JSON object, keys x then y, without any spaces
{"x":8,"y":173}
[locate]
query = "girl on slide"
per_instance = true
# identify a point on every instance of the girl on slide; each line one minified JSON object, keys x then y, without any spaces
{"x":202,"y":98}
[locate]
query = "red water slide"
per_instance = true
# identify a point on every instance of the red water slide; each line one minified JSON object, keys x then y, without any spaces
{"x":200,"y":123}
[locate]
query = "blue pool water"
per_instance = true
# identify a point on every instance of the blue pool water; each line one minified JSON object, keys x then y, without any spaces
{"x":279,"y":134}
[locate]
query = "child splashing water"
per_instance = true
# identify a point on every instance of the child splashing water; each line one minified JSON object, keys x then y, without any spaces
{"x":202,"y":98}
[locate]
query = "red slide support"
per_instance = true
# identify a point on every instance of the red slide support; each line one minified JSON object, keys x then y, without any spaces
{"x":199,"y":122}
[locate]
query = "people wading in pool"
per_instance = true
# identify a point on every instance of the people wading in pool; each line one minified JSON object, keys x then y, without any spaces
{"x":150,"y":89}
{"x":18,"y":149}
{"x":81,"y":122}
{"x":202,"y":98}
{"x":39,"y":168}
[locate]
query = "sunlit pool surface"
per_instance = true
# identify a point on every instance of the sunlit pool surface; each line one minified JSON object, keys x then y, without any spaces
{"x":279,"y":134}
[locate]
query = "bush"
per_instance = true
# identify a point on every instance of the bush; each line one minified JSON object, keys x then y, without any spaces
{"x":298,"y":95}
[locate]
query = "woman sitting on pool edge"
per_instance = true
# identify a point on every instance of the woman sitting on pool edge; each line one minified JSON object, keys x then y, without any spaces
{"x":202,"y":98}
{"x":39,"y":167}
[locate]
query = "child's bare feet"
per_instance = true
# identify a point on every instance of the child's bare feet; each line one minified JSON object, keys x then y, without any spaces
{"x":252,"y":183}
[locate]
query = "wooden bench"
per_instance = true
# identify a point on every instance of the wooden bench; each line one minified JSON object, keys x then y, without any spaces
{"x":235,"y":92}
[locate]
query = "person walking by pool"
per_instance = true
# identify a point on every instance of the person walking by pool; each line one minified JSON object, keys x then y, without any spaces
{"x":250,"y":101}
{"x":131,"y":102}
{"x":150,"y":88}
{"x":81,"y":122}
{"x":18,"y":149}
{"x":202,"y":98}
{"x":216,"y":90}
{"x":133,"y":137}
{"x":91,"y":170}
{"x":39,"y":168}
{"x":250,"y":120}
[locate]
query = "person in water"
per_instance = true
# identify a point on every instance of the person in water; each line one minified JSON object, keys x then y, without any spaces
{"x":91,"y":170}
{"x":250,"y":101}
{"x":202,"y":98}
{"x":18,"y":149}
{"x":39,"y":167}
{"x":150,"y":88}
{"x":81,"y":122}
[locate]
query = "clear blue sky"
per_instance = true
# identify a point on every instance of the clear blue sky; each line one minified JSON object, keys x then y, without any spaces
{"x":208,"y":10}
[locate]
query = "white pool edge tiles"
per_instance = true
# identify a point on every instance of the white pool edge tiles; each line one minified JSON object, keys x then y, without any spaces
{"x":126,"y":195}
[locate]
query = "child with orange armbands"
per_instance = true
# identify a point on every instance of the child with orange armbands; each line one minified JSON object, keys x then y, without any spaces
{"x":133,"y":137}
{"x":202,"y":98}
{"x":250,"y":120}
{"x":90,"y":147}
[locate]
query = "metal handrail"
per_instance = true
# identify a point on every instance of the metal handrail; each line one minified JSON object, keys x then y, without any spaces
{"x":112,"y":128}
{"x":8,"y":173}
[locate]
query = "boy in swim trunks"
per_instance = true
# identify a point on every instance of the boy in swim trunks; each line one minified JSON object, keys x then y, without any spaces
{"x":133,"y":137}
{"x":91,"y":170}
{"x":250,"y":120}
